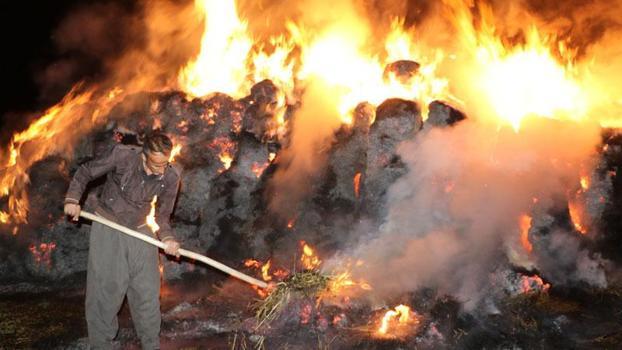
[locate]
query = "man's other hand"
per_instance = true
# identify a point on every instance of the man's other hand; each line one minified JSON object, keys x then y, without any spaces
{"x":72,"y":210}
{"x":171,"y":247}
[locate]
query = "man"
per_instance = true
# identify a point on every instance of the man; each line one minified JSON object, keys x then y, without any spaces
{"x":121,"y":265}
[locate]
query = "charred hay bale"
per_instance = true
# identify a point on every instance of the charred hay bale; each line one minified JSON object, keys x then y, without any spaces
{"x":348,"y":162}
{"x":196,"y":184}
{"x":396,"y":120}
{"x":56,"y":251}
{"x":403,"y":70}
{"x":442,"y":114}
{"x":260,"y":107}
{"x":233,"y":196}
{"x":49,"y":179}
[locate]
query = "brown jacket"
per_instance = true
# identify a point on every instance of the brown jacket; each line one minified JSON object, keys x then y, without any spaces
{"x":128,"y":191}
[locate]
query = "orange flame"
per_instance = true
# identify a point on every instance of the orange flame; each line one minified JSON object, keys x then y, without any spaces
{"x":258,"y":169}
{"x":252,"y":263}
{"x":357,"y":183}
{"x":221,"y":63}
{"x":528,"y":281}
{"x":49,"y":134}
{"x":225,"y":147}
{"x":398,"y":318}
{"x":265,"y":272}
{"x":576,"y":215}
{"x":309,"y":260}
{"x":151,"y":221}
{"x":585,"y":182}
{"x":176,"y":150}
{"x":525,"y":225}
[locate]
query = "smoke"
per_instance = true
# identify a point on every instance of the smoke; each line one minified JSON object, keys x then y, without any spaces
{"x":304,"y":159}
{"x":451,"y":215}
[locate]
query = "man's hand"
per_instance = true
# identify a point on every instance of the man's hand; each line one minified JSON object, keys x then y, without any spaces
{"x":72,"y":210}
{"x":172,"y":247}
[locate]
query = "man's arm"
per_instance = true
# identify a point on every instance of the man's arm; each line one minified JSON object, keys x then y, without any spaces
{"x":88,"y":172}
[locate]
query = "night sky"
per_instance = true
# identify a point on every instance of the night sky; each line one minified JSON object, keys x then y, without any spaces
{"x":29,"y":48}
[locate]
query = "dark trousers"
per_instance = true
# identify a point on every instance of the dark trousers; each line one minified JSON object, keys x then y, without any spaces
{"x":121,"y":265}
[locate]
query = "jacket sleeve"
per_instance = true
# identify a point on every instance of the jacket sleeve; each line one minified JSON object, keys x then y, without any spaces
{"x":88,"y":172}
{"x":165,"y":208}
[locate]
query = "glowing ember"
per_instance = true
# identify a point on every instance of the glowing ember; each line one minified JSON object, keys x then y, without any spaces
{"x":357,"y":183}
{"x":252,"y":263}
{"x":525,"y":225}
{"x":533,"y":284}
{"x":309,"y":260}
{"x":151,"y":222}
{"x":258,"y":169}
{"x":398,"y":320}
{"x":42,"y":253}
{"x":305,"y":313}
{"x":176,"y":150}
{"x":577,"y":216}
{"x":291,"y":223}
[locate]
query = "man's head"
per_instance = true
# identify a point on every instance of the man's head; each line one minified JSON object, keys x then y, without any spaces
{"x":157,"y":149}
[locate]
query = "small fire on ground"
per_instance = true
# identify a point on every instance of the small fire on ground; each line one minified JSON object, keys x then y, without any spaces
{"x":398,"y":323}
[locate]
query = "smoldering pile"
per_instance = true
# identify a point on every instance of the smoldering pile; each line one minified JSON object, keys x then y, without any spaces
{"x":230,"y":153}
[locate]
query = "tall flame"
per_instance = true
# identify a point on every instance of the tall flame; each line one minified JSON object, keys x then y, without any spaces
{"x":221,"y":63}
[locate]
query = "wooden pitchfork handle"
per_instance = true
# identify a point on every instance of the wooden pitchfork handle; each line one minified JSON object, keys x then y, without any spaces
{"x":184,"y":252}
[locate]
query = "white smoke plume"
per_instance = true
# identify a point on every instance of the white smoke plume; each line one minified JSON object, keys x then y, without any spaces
{"x":450,"y":217}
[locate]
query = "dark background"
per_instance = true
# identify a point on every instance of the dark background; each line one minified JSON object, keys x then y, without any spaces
{"x":27,"y":29}
{"x":32,"y":56}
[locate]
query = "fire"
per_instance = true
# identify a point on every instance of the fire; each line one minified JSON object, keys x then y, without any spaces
{"x":339,"y":282}
{"x":357,"y":183}
{"x":291,"y":223}
{"x":309,"y":260}
{"x":399,"y":319}
{"x":265,"y":272}
{"x":517,"y":81}
{"x":151,"y":222}
{"x":225,"y":45}
{"x":252,"y":263}
{"x":525,"y":225}
{"x":258,"y":169}
{"x":534,"y":284}
{"x":4,"y":217}
{"x":42,"y":253}
{"x":585,"y":182}
{"x":577,"y":216}
{"x":175,"y":152}
{"x":225,"y":148}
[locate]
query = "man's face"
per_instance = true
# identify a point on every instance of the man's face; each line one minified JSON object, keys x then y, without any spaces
{"x":155,"y":162}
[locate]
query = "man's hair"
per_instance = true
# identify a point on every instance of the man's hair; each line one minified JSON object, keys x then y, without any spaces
{"x":157,"y":142}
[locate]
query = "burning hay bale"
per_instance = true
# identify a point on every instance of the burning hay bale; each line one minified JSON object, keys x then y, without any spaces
{"x":307,"y":283}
